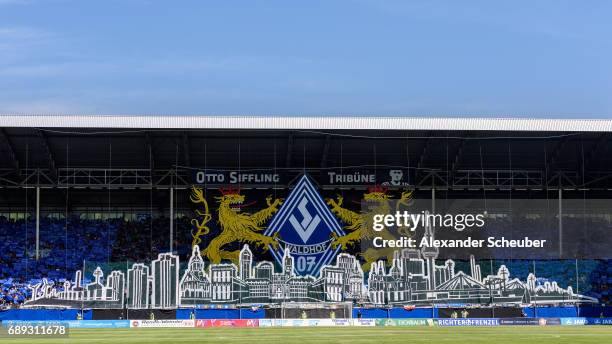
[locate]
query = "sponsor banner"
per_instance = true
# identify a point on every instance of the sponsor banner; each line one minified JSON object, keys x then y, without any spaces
{"x":341,"y":322}
{"x":162,"y":323}
{"x":586,"y":321}
{"x":529,"y":321}
{"x":312,"y":322}
{"x":263,"y":322}
{"x":364,"y":322}
{"x":519,"y":321}
{"x":71,"y":323}
{"x":405,"y":322}
{"x":227,"y":323}
{"x":8,"y":323}
{"x":280,"y":322}
{"x":468,"y":322}
{"x":549,"y":321}
{"x":318,"y":322}
{"x":295,"y":322}
{"x":599,"y":321}
{"x":573,"y":321}
{"x":98,"y":323}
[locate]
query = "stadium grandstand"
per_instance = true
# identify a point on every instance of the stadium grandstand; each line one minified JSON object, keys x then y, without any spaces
{"x":85,"y":194}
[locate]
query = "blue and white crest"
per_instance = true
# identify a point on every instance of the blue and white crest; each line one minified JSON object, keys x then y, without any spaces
{"x":305,"y":225}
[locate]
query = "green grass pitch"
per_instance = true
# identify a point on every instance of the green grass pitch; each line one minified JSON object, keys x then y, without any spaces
{"x":352,"y":335}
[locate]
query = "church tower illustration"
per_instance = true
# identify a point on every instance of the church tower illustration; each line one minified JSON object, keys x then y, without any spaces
{"x":287,"y":264}
{"x":430,"y":253}
{"x":246,"y":263}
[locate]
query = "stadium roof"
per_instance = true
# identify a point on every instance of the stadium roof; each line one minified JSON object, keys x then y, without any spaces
{"x":307,"y":122}
{"x":455,"y":153}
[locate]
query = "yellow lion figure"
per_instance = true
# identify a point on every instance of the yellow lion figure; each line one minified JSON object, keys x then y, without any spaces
{"x":197,"y":196}
{"x":237,"y":226}
{"x":360,"y":225}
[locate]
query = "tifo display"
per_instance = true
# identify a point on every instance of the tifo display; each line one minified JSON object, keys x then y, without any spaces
{"x":196,"y":227}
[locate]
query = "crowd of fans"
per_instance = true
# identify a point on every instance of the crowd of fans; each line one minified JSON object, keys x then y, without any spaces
{"x":65,"y":245}
{"x":12,"y":294}
{"x":68,"y":245}
{"x":142,"y":240}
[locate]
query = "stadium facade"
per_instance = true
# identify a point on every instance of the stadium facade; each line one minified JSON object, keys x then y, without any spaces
{"x":186,"y":211}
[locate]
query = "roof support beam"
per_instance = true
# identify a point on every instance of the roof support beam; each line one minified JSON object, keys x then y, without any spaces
{"x":596,"y":148}
{"x":11,"y":151}
{"x":289,"y":150}
{"x":150,"y":150}
{"x":186,"y":151}
{"x":556,"y":153}
{"x":457,"y":159}
{"x":458,"y":156}
{"x":48,"y":153}
{"x":551,"y":162}
{"x":423,"y":153}
{"x":325,"y":151}
{"x":588,"y":158}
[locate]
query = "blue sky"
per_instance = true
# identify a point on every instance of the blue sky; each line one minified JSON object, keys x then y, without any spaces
{"x":437,"y":58}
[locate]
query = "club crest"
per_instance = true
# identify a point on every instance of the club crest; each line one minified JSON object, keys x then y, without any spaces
{"x":305,"y":226}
